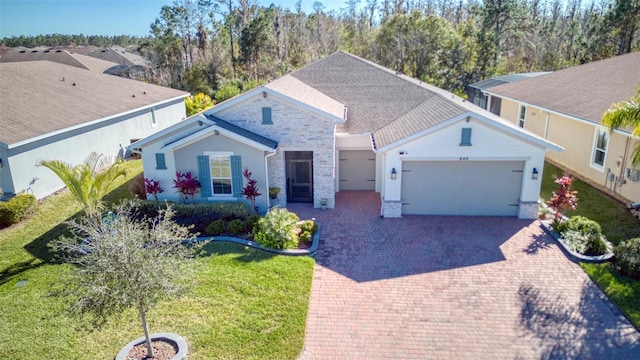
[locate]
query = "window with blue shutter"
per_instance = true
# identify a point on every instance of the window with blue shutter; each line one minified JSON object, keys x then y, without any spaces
{"x":266,"y":116}
{"x":204,"y":174}
{"x":160,"y":163}
{"x":466,"y":137}
{"x":236,"y":174}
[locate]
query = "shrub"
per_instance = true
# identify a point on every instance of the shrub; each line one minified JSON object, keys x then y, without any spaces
{"x":277,"y":229}
{"x":596,"y":245}
{"x":236,"y":227}
{"x":575,"y":240}
{"x":564,"y":198}
{"x":309,"y":226}
{"x":215,"y":228}
{"x":16,"y":209}
{"x":152,"y":187}
{"x":252,"y":220}
{"x":583,"y":225}
{"x":187,"y":185}
{"x":212,"y":209}
{"x":628,"y":257}
{"x":137,"y":187}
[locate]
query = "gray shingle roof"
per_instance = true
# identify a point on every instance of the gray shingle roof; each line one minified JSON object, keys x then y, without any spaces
{"x":380,"y":102}
{"x":584,"y":91}
{"x":59,"y":56}
{"x":243,"y":132}
{"x":35,"y":101}
{"x":504,"y":79}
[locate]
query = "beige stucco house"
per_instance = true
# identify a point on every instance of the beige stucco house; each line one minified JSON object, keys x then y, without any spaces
{"x":346,"y":124}
{"x":566,"y":108}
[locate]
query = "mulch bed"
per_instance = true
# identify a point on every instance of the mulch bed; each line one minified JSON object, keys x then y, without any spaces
{"x":162,"y":349}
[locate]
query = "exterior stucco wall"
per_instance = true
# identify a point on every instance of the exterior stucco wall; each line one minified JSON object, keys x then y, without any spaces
{"x":578,"y":138}
{"x":444,"y":145}
{"x":294,"y":129}
{"x":75,"y":145}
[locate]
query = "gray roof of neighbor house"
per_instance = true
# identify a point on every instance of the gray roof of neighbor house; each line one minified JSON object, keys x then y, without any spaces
{"x":584,"y":91}
{"x":243,"y":132}
{"x":379,"y":101}
{"x":504,"y":79}
{"x":59,"y":56}
{"x":118,"y":55}
{"x":42,"y":97}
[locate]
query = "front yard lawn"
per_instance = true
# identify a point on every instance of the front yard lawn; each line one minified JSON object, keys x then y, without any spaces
{"x":617,"y":225}
{"x":246,"y":304}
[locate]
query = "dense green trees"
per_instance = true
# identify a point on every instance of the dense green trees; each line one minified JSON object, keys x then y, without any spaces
{"x":202,"y":45}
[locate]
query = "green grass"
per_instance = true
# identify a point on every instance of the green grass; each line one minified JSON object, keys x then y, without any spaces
{"x":617,"y":225}
{"x":617,"y":222}
{"x":246,"y":304}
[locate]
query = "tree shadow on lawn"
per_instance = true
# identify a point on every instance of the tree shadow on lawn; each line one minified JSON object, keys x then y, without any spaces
{"x":592,"y":329}
{"x":239,"y":252}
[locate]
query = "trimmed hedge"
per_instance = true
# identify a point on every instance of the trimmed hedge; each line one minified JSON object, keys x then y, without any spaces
{"x":16,"y":209}
{"x":628,"y":258}
{"x":212,"y":209}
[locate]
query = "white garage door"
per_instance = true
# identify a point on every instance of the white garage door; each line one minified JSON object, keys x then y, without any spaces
{"x":357,"y":170}
{"x":489,"y":188}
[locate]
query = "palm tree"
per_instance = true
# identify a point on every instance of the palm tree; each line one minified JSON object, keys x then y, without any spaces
{"x":88,"y":182}
{"x":626,"y":114}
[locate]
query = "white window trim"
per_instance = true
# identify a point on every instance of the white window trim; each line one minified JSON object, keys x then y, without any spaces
{"x":592,"y":162}
{"x":522,"y":120}
{"x":220,"y":154}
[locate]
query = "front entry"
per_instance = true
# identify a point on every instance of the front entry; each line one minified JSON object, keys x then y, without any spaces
{"x":299,"y":176}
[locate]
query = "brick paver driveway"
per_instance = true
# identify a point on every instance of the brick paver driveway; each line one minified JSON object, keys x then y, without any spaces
{"x":451,"y":288}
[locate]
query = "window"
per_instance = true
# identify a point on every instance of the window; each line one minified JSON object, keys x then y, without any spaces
{"x":495,"y":105}
{"x":160,"y":163}
{"x":220,"y":174}
{"x":266,"y":116}
{"x":465,"y":139}
{"x":600,"y":147}
{"x":522,"y":115}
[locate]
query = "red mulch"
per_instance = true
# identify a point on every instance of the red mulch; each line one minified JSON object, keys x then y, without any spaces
{"x":162,"y":349}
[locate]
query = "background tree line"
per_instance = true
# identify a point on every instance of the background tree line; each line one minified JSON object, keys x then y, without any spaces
{"x":223,"y":47}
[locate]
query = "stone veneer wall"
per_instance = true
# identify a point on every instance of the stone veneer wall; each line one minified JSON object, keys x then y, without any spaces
{"x":295,"y":130}
{"x":391,"y":209}
{"x":528,"y":210}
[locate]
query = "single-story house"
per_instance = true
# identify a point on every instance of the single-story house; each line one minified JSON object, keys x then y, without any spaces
{"x":53,"y":111}
{"x":346,"y":124}
{"x":476,"y":92}
{"x":566,"y":107}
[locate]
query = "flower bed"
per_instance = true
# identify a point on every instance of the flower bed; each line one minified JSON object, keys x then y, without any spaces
{"x":574,"y":246}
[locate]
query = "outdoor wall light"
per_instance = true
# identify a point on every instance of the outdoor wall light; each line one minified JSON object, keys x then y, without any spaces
{"x":394,"y":174}
{"x":534,"y":174}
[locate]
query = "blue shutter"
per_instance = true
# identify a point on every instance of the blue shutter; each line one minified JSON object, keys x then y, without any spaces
{"x":204,"y":173}
{"x":466,"y":137}
{"x":266,"y":116}
{"x":160,"y":164}
{"x":236,"y":175}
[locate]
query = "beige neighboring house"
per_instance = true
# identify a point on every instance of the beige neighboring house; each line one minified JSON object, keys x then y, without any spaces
{"x":566,"y":108}
{"x":51,"y":110}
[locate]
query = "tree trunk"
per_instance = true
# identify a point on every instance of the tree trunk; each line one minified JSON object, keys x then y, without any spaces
{"x":143,"y":318}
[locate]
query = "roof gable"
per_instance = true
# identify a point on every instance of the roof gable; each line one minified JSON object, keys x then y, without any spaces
{"x":584,"y":91}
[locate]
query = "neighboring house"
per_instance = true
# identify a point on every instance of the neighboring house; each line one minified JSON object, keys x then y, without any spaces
{"x":59,"y":56}
{"x":344,"y":123}
{"x":476,"y":91}
{"x":566,"y":107}
{"x":53,"y":111}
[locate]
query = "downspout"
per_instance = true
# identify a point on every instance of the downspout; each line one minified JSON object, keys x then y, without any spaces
{"x":266,"y":172}
{"x":623,"y":164}
{"x":546,"y":125}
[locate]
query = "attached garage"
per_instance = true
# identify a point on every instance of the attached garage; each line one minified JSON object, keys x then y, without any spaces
{"x":357,"y":170}
{"x":488,"y":188}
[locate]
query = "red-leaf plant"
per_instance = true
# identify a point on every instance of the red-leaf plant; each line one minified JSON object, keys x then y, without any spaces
{"x":250,"y":191}
{"x":187,"y":185}
{"x":152,"y":187}
{"x":565,"y":197}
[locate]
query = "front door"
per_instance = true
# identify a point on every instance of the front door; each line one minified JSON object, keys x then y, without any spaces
{"x":299,"y":176}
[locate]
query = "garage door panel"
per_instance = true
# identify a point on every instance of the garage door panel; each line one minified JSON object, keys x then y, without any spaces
{"x":462,"y":188}
{"x":357,"y":170}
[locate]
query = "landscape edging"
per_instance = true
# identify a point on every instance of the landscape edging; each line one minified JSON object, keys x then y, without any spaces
{"x":572,"y":255}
